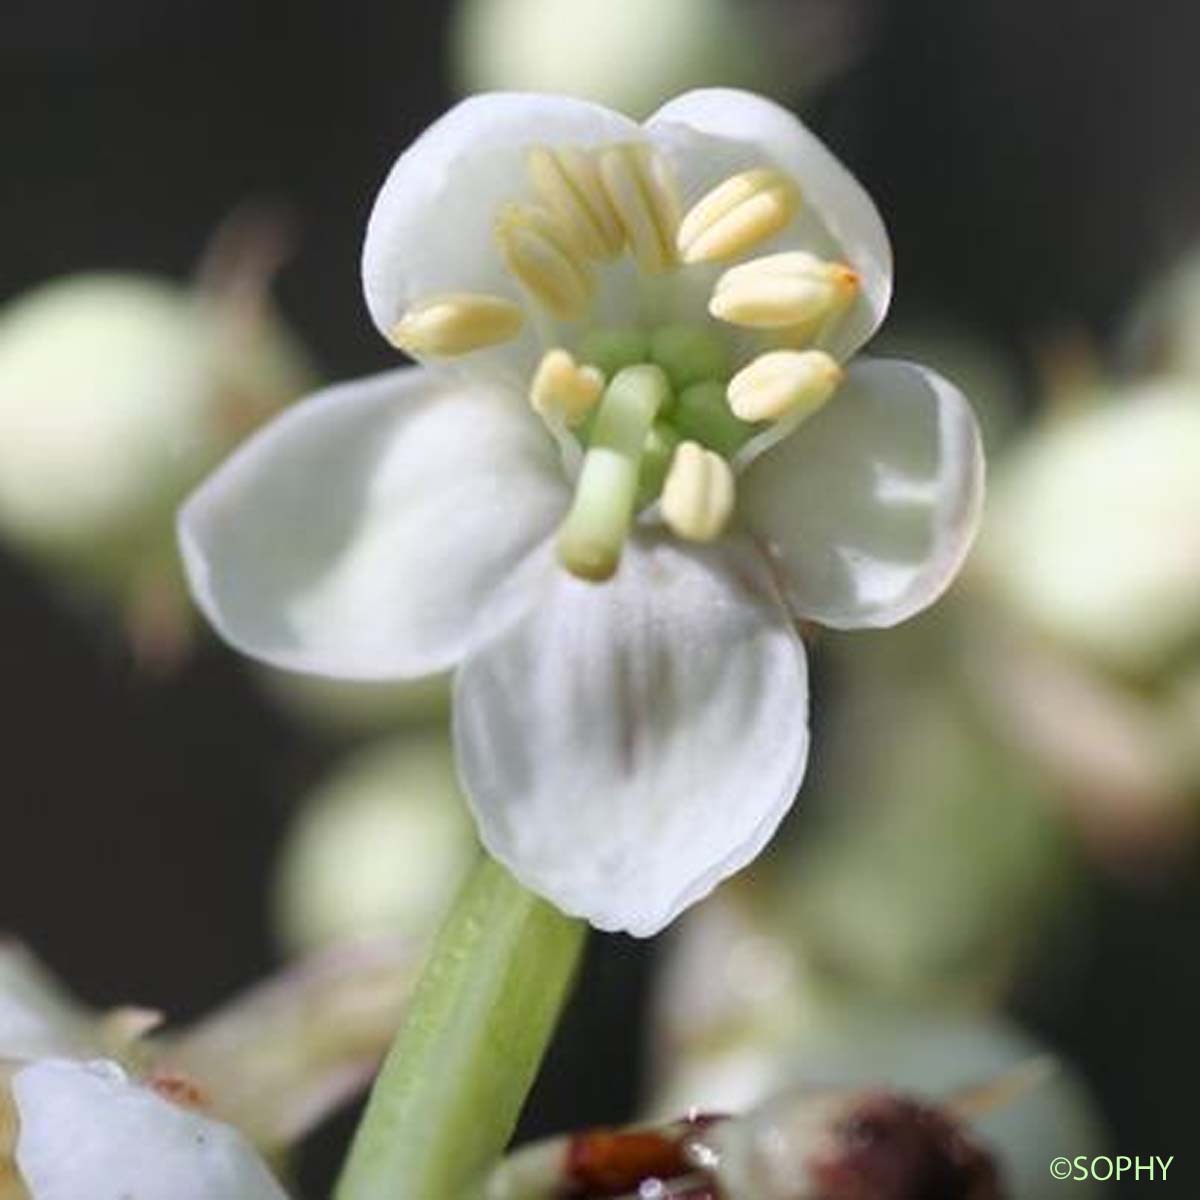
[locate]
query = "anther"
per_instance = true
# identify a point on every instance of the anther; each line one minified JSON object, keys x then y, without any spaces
{"x":784,"y":291}
{"x":643,"y":193}
{"x":738,"y":215}
{"x":568,"y":183}
{"x":697,"y":498}
{"x":445,"y":326}
{"x":784,"y":383}
{"x":563,"y":389}
{"x":538,"y":251}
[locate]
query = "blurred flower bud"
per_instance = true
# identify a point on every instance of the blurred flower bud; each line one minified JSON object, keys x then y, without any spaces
{"x":933,"y":876}
{"x":1093,"y":529}
{"x":117,"y":392}
{"x":628,"y":54}
{"x":381,"y":847}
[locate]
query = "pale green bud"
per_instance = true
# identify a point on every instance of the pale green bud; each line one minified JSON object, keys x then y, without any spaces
{"x":631,"y":55}
{"x":379,"y":848}
{"x":1093,"y":529}
{"x":117,"y":393}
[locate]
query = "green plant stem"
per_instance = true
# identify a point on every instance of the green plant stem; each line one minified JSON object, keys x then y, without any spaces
{"x":483,"y":1012}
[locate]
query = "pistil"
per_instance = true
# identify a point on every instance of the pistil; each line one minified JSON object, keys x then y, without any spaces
{"x":593,"y":535}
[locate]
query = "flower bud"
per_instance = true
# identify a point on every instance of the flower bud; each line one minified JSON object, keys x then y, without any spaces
{"x":379,"y":848}
{"x":1093,"y":529}
{"x":117,"y":392}
{"x":628,"y":54}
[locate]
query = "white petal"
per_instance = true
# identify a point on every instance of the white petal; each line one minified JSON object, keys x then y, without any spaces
{"x":359,"y":534}
{"x":871,"y":505}
{"x":714,"y":133}
{"x":627,"y":746}
{"x":87,"y":1133}
{"x":431,"y":230}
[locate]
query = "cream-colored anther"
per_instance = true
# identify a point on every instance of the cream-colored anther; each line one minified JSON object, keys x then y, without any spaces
{"x":783,"y":291}
{"x":567,"y":181}
{"x":563,"y":389}
{"x":738,"y":215}
{"x":643,"y":193}
{"x":445,"y":326}
{"x":698,"y":495}
{"x":539,"y":252}
{"x":784,"y":383}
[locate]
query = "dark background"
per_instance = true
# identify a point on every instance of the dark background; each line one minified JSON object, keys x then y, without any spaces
{"x":1035,"y":162}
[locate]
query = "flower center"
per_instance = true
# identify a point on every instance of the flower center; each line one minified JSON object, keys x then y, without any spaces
{"x":660,"y":411}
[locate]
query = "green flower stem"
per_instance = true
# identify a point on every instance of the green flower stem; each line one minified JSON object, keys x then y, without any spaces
{"x":484,"y":1010}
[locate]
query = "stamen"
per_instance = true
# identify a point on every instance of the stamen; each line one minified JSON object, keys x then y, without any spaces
{"x":784,"y":291}
{"x":538,"y":251}
{"x":568,"y":182}
{"x":737,"y":215}
{"x":563,"y":389}
{"x":689,"y":354}
{"x":445,"y":326}
{"x":697,"y":499}
{"x":784,"y":383}
{"x":702,"y":413}
{"x":613,"y":348}
{"x":643,"y":193}
{"x":593,"y":535}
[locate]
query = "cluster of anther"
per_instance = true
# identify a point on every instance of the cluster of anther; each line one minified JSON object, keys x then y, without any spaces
{"x":660,"y":413}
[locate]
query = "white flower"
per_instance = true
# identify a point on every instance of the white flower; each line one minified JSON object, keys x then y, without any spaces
{"x":85,"y":1131}
{"x":633,"y":340}
{"x":271,"y":1063}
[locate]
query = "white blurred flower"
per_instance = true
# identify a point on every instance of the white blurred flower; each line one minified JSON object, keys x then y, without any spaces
{"x":637,"y":345}
{"x":86,"y":1131}
{"x":380,"y":847}
{"x":272,"y":1062}
{"x":739,"y":1017}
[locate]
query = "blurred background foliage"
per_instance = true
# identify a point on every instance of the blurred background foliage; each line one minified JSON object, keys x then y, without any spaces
{"x":997,"y":846}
